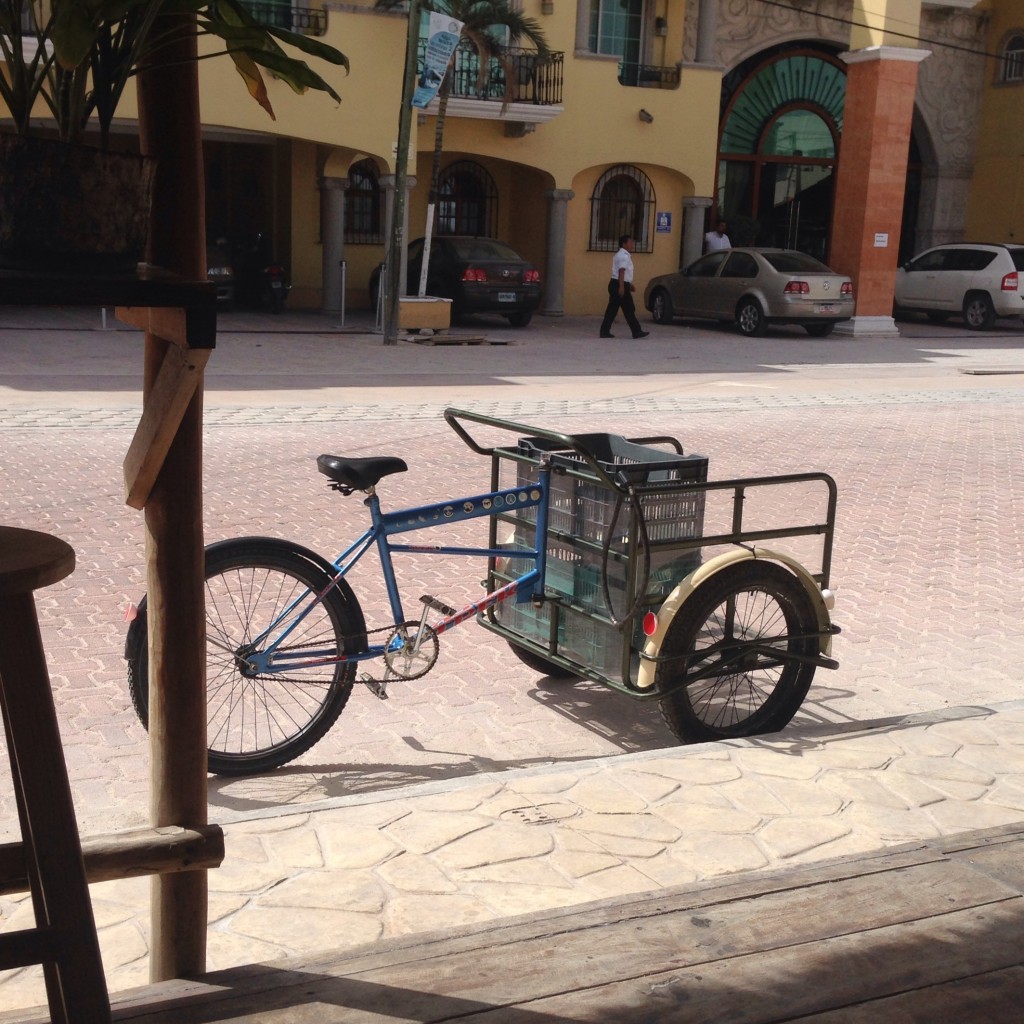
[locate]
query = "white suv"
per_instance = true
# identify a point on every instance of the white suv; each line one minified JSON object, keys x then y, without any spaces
{"x":977,"y":281}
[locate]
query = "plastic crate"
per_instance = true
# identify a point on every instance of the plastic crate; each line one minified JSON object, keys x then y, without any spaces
{"x":623,"y":460}
{"x":587,"y":508}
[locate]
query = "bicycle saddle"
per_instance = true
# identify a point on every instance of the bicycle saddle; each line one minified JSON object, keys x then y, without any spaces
{"x":359,"y":474}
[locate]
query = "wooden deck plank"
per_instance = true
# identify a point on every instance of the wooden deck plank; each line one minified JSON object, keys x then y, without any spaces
{"x":883,"y":929}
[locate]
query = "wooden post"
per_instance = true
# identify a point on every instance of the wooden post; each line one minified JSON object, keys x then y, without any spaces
{"x":170,"y":131}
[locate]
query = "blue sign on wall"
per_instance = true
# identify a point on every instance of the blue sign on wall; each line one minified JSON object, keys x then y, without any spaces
{"x":663,"y":222}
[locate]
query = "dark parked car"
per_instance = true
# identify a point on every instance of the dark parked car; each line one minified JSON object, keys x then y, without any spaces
{"x":754,"y":288}
{"x":220,"y":271}
{"x":479,"y":275}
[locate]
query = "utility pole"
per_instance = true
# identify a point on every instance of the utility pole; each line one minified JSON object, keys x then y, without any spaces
{"x":396,"y":249}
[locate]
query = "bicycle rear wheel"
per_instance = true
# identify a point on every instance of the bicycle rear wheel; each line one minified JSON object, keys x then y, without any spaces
{"x":741,"y":638}
{"x":260,"y":721}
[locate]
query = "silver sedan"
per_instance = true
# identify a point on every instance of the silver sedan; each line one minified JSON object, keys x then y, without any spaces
{"x":754,"y":288}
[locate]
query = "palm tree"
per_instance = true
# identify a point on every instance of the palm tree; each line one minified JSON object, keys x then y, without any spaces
{"x":480,"y":18}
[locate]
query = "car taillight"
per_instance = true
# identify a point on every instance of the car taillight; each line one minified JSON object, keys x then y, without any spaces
{"x":531,"y":277}
{"x":796,"y":288}
{"x":846,"y":288}
{"x":475,"y":274}
{"x":1010,"y":282}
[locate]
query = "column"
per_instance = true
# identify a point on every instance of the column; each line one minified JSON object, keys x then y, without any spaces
{"x":707,"y":30}
{"x":871,"y":179}
{"x":694,"y":208}
{"x":554,"y":274}
{"x":332,"y":239}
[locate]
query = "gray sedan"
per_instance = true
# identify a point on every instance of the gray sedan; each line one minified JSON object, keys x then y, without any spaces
{"x":754,"y":288}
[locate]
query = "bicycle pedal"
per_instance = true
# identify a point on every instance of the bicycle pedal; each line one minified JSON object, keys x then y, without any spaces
{"x":376,"y":687}
{"x":437,"y":606}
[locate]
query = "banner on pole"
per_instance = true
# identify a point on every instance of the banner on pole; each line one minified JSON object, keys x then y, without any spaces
{"x":443,"y":37}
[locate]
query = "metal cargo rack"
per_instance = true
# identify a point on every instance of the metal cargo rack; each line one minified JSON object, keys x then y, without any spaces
{"x":625,"y":527}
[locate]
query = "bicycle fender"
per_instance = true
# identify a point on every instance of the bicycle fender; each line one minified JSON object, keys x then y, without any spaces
{"x":670,"y":606}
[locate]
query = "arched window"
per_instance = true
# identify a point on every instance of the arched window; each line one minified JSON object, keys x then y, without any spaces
{"x":363,"y":205}
{"x":467,"y":202}
{"x":1012,"y":69}
{"x":777,"y":150}
{"x":622,"y":204}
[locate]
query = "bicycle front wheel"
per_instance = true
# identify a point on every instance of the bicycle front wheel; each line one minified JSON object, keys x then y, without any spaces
{"x":257,"y":721}
{"x":740,"y":644}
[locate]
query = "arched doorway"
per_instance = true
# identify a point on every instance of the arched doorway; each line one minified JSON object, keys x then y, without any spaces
{"x":782,"y":119}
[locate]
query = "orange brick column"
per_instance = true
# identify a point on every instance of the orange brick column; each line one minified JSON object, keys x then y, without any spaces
{"x":871,"y":179}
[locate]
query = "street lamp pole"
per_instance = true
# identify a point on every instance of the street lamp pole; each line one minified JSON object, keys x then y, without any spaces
{"x":393,"y":263}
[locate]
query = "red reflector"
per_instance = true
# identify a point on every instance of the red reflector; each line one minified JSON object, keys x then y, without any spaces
{"x":797,"y":288}
{"x":531,"y":277}
{"x":1010,"y":282}
{"x":650,"y":624}
{"x":475,"y":274}
{"x":847,"y":288}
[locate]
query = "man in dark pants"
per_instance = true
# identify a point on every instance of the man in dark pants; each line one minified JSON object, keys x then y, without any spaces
{"x":620,"y":291}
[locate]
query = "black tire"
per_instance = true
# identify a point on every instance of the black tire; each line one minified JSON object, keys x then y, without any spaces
{"x":257,"y":723}
{"x":541,"y":664}
{"x":661,"y":307}
{"x":819,"y":330}
{"x":979,"y":313}
{"x":750,"y":319}
{"x":520,"y":319}
{"x":754,"y":692}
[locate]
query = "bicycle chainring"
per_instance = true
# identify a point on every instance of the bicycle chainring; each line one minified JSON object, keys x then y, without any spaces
{"x":402,"y":660}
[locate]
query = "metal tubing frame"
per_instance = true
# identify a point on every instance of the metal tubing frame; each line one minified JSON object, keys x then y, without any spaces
{"x":387,"y":524}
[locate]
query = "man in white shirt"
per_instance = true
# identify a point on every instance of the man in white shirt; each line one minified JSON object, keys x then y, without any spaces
{"x":717,"y":239}
{"x":620,"y":292}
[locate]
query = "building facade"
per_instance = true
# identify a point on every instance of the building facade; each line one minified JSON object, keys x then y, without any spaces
{"x":860,"y":131}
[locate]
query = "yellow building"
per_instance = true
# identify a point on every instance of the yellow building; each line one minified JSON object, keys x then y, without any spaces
{"x":995,"y":208}
{"x":846,"y":128}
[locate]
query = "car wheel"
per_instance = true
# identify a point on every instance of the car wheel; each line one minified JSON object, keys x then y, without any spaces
{"x":520,"y":319}
{"x":979,"y":314}
{"x":750,"y":318}
{"x":819,"y":330}
{"x":661,"y":307}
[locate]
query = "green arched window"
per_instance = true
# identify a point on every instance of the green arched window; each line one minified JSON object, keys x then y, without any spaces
{"x":777,"y":152}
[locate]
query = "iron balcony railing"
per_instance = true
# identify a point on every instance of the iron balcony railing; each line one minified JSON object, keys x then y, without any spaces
{"x":535,"y":79}
{"x":306,"y":21}
{"x":648,"y":76}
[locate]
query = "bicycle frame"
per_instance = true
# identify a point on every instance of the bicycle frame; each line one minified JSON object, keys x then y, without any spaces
{"x":270,"y":654}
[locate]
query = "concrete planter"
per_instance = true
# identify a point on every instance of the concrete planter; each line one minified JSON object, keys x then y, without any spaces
{"x":424,"y":312}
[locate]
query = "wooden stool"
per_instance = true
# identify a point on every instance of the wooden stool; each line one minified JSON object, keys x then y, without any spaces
{"x":64,"y":939}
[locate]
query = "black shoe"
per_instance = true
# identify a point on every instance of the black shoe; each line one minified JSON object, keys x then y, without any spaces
{"x":606,"y":335}
{"x":642,"y":334}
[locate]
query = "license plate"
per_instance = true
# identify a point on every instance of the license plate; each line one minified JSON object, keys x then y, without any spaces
{"x":506,"y":296}
{"x":826,"y":307}
{"x":275,"y":284}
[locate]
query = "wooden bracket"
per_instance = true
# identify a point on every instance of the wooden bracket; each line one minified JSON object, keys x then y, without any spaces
{"x":176,"y":382}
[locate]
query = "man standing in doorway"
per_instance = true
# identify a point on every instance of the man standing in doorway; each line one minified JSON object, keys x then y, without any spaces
{"x":620,"y":292}
{"x":717,"y":239}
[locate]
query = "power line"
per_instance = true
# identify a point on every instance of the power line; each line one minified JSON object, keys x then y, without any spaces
{"x":891,"y":32}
